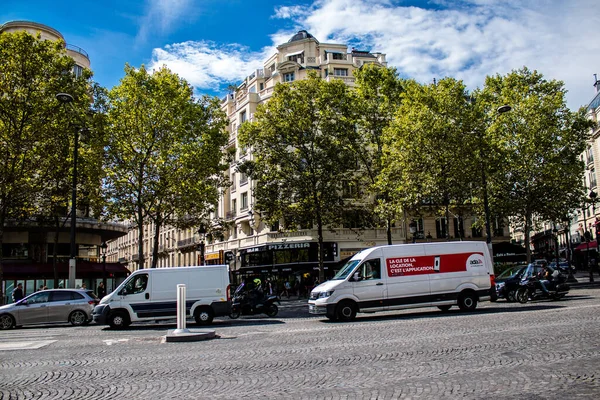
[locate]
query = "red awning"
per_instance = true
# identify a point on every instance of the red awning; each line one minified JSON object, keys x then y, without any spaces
{"x":592,"y":245}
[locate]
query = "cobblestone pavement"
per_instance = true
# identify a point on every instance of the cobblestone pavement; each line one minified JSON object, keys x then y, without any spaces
{"x":539,"y":350}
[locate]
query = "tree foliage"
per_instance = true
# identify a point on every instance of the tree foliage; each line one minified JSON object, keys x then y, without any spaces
{"x":302,"y":149}
{"x":165,"y":162}
{"x":378,"y":95}
{"x":428,"y":162}
{"x":36,"y":132}
{"x":537,"y":146}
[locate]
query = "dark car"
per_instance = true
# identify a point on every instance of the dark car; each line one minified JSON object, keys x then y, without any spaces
{"x":50,"y":307}
{"x":509,"y":281}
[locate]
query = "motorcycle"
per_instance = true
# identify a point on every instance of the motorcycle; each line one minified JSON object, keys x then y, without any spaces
{"x":531,"y":289}
{"x":243,"y":303}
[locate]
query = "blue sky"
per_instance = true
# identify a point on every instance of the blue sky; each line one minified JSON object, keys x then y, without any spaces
{"x":214,"y":43}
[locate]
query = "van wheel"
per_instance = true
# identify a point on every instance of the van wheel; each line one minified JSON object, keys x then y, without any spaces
{"x":346,"y":311}
{"x":467,"y":301}
{"x":204,"y":315}
{"x":77,"y":318}
{"x":445,"y":308}
{"x":118,"y":320}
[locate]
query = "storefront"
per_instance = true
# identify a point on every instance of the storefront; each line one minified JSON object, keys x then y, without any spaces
{"x":34,"y":276}
{"x":280,"y":262}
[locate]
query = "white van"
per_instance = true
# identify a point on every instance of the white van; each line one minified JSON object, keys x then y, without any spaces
{"x":151,"y":295}
{"x":407,"y":276}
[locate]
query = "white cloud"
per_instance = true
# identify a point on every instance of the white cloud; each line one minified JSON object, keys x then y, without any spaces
{"x":160,"y":16}
{"x":207,"y":65}
{"x":465,"y":39}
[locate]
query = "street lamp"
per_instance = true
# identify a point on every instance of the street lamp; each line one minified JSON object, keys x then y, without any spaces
{"x":593,"y":195}
{"x":104,"y":246}
{"x":66,"y":98}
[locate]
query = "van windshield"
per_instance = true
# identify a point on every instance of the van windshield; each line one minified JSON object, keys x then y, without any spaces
{"x":346,"y":270}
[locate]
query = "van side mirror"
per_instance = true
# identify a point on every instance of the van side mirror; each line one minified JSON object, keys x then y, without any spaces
{"x":356,"y":277}
{"x":123,"y":292}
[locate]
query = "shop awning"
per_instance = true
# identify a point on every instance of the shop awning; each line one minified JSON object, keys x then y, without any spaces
{"x":592,"y":245}
{"x":294,"y":54}
{"x":509,"y":252}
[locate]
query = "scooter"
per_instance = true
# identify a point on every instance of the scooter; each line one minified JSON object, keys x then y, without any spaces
{"x":243,"y":304}
{"x":531,"y":289}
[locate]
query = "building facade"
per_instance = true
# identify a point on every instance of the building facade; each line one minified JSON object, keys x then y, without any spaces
{"x":252,"y":247}
{"x":29,"y":247}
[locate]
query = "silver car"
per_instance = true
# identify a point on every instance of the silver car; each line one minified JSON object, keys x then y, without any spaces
{"x":49,"y":307}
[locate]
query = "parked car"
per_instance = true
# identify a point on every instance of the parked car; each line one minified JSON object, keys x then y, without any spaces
{"x":50,"y":307}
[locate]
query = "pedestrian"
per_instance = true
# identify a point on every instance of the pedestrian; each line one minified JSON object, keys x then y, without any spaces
{"x":101,"y":290}
{"x":17,"y":293}
{"x":286,"y":289}
{"x":83,"y":286}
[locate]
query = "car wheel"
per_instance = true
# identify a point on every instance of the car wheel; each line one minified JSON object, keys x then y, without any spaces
{"x":77,"y":318}
{"x":118,"y":320}
{"x":510,"y":296}
{"x":467,"y":301}
{"x":6,"y":321}
{"x":346,"y":311}
{"x":204,"y":315}
{"x":445,"y":308}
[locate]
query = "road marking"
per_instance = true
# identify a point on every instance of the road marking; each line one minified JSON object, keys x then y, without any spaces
{"x":29,"y":345}
{"x":110,"y":342}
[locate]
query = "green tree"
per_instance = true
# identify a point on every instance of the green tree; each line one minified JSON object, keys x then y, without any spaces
{"x":301,"y":147}
{"x":34,"y":128}
{"x":378,"y":95}
{"x":538,"y":174}
{"x":165,"y":160}
{"x":427,"y":156}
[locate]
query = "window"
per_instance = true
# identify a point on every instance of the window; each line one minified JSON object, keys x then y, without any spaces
{"x":296,"y":58}
{"x":252,"y":89}
{"x":261,"y":86}
{"x":275,"y":226}
{"x":340,"y":71}
{"x":289,"y":77}
{"x":37,"y":298}
{"x":233,"y":182}
{"x":243,"y":178}
{"x":61,"y":296}
{"x":440,"y":228}
{"x":136,"y":285}
{"x":459,"y":228}
{"x":244,"y":205}
{"x":234,"y":207}
{"x":243,"y":117}
{"x":370,"y":269}
{"x":77,"y":70}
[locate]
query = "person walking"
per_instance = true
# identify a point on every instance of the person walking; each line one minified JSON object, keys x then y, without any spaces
{"x":101,"y":290}
{"x":17,"y":293}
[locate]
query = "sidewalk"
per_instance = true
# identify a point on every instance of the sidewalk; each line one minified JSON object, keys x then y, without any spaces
{"x":583,"y":279}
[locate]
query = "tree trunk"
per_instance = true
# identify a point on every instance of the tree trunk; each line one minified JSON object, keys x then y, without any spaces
{"x":140,"y":223}
{"x":389,"y":230}
{"x":527,"y":237}
{"x":157,"y":225}
{"x":2,"y":219}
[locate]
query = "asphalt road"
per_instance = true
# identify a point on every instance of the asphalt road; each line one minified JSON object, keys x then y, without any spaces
{"x":539,"y":350}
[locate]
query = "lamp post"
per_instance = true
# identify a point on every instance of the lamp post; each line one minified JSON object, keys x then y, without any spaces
{"x":66,"y":98}
{"x":104,"y":246}
{"x":593,"y":195}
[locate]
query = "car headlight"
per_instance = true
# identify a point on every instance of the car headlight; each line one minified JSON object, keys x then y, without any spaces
{"x":323,"y":295}
{"x":499,"y":285}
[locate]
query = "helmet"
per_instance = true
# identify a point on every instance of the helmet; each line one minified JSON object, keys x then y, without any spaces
{"x":257,"y":282}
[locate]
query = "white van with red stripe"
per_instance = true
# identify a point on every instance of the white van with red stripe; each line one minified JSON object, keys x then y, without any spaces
{"x":402,"y":276}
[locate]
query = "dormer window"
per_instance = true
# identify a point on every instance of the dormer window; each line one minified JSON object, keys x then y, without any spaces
{"x":289,"y":77}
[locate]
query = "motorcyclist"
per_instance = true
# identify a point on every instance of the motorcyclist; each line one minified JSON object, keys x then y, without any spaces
{"x":256,"y":293}
{"x":544,"y":279}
